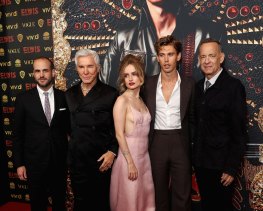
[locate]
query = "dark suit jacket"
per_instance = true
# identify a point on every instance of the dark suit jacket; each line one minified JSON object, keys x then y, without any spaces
{"x":92,"y":124}
{"x":221,"y":131}
{"x":186,"y":105}
{"x":35,"y":142}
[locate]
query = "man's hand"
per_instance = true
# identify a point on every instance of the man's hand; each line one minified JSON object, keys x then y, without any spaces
{"x":108,"y":159}
{"x":21,"y":172}
{"x":226,"y":179}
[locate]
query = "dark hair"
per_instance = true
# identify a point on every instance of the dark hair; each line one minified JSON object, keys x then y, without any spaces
{"x":168,"y":40}
{"x":210,"y":40}
{"x":48,"y":59}
{"x":135,"y":61}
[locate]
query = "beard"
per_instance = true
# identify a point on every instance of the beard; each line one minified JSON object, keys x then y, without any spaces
{"x":47,"y":83}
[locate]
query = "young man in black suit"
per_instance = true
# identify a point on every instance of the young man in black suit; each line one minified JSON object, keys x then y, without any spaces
{"x":40,"y":139}
{"x":221,"y":134}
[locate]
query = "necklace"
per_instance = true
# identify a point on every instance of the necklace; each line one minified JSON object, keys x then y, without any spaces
{"x":84,"y":90}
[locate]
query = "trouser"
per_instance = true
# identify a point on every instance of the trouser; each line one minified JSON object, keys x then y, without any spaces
{"x":170,"y":160}
{"x":44,"y":183}
{"x":91,"y":189}
{"x":214,"y":196}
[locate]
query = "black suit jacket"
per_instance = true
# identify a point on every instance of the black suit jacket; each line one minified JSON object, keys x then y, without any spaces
{"x":92,"y":127}
{"x":186,"y":105}
{"x":221,"y":131}
{"x":34,"y":141}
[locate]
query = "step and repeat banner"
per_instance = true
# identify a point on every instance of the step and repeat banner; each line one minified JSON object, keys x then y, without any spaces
{"x":25,"y":33}
{"x":58,"y":28}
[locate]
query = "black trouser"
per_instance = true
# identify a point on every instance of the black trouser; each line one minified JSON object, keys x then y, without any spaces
{"x":171,"y":169}
{"x":47,"y":182}
{"x":214,"y":196}
{"x":91,"y":189}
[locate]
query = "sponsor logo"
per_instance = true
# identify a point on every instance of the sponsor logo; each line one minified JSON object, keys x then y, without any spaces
{"x":40,"y":22}
{"x":17,"y":1}
{"x":5,"y":2}
{"x":29,"y":86}
{"x":32,"y":37}
{"x":28,"y":62}
{"x":49,"y":22}
{"x":22,"y":74}
{"x":12,"y":185}
{"x":12,"y":175}
{"x":2,"y":52}
{"x":8,"y":132}
{"x":46,"y":10}
{"x":7,"y":75}
{"x":9,"y":143}
{"x":17,"y":63}
{"x":16,"y":196}
{"x":5,"y":64}
{"x":11,"y":14}
{"x":10,"y":165}
{"x":5,"y":99}
{"x":28,"y":24}
{"x":7,"y":39}
{"x":31,"y":49}
{"x":8,"y":110}
{"x":15,"y":87}
{"x":4,"y":86}
{"x":48,"y":48}
{"x":31,"y":75}
{"x":13,"y":99}
{"x":22,"y":186}
{"x":29,"y":11}
{"x":6,"y":121}
{"x":13,"y":50}
{"x":20,"y":37}
{"x":9,"y":153}
{"x":1,"y":27}
{"x":46,"y":36}
{"x":27,"y":198}
{"x":12,"y":26}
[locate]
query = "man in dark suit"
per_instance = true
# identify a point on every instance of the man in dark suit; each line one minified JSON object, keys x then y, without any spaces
{"x":220,"y":105}
{"x":92,"y":146}
{"x":40,"y":138}
{"x":169,"y":98}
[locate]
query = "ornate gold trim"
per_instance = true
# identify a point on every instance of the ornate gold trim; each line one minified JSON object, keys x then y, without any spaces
{"x":62,"y":49}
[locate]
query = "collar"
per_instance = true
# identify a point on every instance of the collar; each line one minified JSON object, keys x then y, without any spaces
{"x":178,"y":82}
{"x":214,"y":78}
{"x":41,"y":91}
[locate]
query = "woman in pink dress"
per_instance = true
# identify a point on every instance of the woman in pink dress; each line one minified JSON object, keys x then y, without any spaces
{"x":131,"y":179}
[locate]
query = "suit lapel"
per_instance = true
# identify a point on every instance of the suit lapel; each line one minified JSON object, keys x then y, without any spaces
{"x":184,"y":92}
{"x":56,"y":104}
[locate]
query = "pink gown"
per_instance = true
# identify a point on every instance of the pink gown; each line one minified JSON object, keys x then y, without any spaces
{"x":135,"y":195}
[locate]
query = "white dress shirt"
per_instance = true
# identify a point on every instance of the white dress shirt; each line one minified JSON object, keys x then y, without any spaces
{"x":167,"y":115}
{"x":50,"y":97}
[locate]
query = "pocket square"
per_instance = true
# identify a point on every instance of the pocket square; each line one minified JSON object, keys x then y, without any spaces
{"x":62,"y":109}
